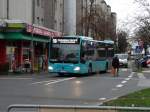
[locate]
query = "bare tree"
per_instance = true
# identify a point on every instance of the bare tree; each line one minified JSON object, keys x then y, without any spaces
{"x":122,"y":41}
{"x":144,"y":4}
{"x":94,"y":22}
{"x":143,"y":30}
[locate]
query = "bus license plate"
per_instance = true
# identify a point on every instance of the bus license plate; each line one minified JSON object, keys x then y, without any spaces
{"x":63,"y":71}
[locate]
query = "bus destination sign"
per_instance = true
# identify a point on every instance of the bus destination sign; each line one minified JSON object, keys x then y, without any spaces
{"x":66,"y":41}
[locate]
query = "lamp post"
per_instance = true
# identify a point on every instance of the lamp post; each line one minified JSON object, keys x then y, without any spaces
{"x":32,"y":51}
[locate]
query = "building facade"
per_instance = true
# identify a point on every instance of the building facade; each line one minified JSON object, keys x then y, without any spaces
{"x":72,"y":17}
{"x":102,"y":22}
{"x":29,"y":11}
{"x":24,"y":47}
{"x":3,"y":9}
{"x":54,"y":14}
{"x":60,"y":15}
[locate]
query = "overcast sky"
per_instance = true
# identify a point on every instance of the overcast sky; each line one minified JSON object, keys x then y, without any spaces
{"x":125,"y":9}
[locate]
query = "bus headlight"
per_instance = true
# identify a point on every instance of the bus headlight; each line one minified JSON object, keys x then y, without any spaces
{"x":50,"y":68}
{"x":77,"y":68}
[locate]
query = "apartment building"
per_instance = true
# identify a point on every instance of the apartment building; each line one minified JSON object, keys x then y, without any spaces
{"x":3,"y":9}
{"x":60,"y":15}
{"x":54,"y":14}
{"x":29,"y":11}
{"x":102,"y":22}
{"x":67,"y":16}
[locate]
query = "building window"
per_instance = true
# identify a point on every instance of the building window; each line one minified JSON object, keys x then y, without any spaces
{"x":38,"y":20}
{"x":42,"y":21}
{"x":42,"y":3}
{"x":55,"y":21}
{"x":61,"y":4}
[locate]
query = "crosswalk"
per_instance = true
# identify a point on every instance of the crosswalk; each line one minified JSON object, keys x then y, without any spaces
{"x":49,"y":82}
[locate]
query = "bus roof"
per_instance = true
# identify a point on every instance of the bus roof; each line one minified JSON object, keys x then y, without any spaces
{"x":90,"y":38}
{"x":108,"y":41}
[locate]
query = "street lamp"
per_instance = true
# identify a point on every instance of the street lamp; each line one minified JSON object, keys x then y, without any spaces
{"x":32,"y":51}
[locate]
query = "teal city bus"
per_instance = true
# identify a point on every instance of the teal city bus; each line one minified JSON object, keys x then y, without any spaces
{"x":79,"y":55}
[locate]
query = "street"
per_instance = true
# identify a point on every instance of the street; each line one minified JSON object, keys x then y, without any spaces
{"x":68,"y":90}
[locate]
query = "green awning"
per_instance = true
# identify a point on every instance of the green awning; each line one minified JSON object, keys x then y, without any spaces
{"x":20,"y":36}
{"x":1,"y":36}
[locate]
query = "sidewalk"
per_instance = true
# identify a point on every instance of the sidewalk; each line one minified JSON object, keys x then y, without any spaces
{"x":40,"y":74}
{"x":146,"y":70}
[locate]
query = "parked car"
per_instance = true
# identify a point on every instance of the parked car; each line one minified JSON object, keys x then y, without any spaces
{"x":123,"y":59}
{"x":144,"y":61}
{"x":148,"y":63}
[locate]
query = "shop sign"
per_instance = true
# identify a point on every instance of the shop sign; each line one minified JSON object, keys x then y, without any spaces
{"x":15,"y":25}
{"x":43,"y":32}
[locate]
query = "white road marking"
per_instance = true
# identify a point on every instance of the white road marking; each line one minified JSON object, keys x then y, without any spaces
{"x":102,"y":99}
{"x":127,"y":79}
{"x":119,"y":86}
{"x":61,"y":80}
{"x":40,"y":82}
{"x":130,"y":76}
{"x":123,"y":82}
{"x":141,"y":76}
{"x":124,"y":69}
{"x":108,"y":99}
{"x":5,"y":78}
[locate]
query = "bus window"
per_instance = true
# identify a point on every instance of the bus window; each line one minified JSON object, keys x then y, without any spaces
{"x":62,"y":54}
{"x":110,"y":53}
{"x":101,"y":50}
{"x":101,"y":53}
{"x":89,"y":52}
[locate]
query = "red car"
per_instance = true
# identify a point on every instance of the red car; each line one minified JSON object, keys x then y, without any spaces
{"x":148,"y":62}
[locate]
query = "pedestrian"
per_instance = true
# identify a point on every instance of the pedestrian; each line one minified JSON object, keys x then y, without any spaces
{"x":115,"y":66}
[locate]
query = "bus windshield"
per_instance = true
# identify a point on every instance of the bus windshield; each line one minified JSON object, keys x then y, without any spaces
{"x":68,"y":53}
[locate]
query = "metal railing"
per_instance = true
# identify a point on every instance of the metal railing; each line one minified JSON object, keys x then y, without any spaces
{"x":72,"y":108}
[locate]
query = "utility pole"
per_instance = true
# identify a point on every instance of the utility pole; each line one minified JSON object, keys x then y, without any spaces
{"x":32,"y":50}
{"x":7,"y":9}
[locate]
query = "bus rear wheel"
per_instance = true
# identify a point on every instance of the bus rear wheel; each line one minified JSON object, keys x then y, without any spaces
{"x":106,"y":68}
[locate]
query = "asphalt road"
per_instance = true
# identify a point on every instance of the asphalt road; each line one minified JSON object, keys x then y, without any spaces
{"x":69,"y":90}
